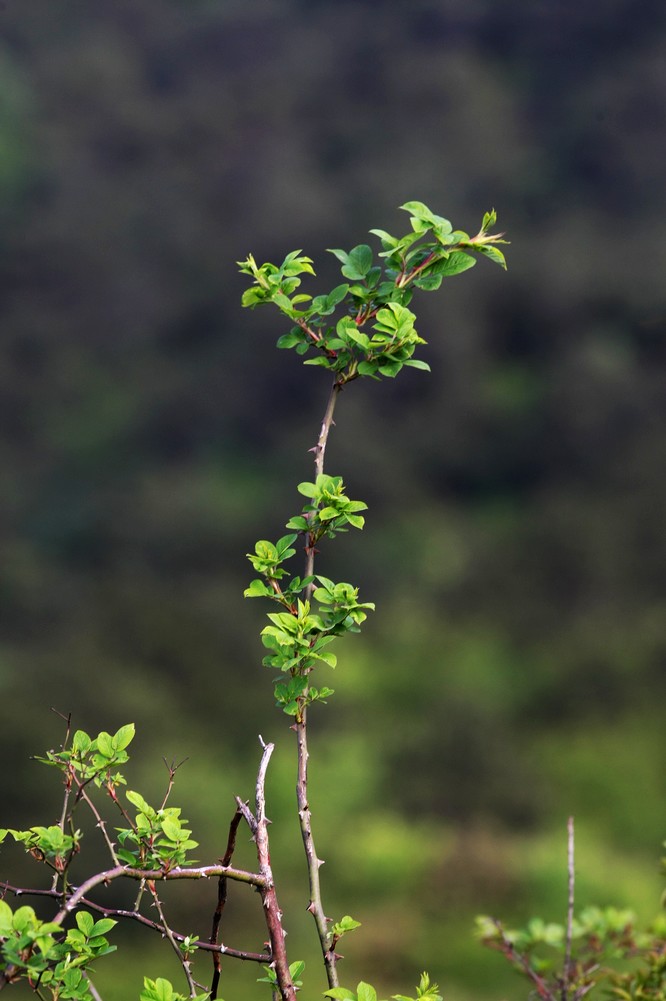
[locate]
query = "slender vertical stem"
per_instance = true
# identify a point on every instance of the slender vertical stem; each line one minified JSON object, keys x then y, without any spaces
{"x":313,"y":862}
{"x":304,"y":814}
{"x":319,"y":451}
{"x":221,"y":901}
{"x":570,"y":908}
{"x":170,"y":937}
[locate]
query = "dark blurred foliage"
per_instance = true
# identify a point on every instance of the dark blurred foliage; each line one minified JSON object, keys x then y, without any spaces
{"x":515,"y":546}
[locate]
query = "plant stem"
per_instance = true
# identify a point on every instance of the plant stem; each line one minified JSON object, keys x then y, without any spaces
{"x":221,"y":900}
{"x":570,"y":908}
{"x":313,"y":862}
{"x":169,"y":935}
{"x":258,"y":824}
{"x":319,"y":451}
{"x":127,"y":872}
{"x":304,"y":814}
{"x":94,"y":993}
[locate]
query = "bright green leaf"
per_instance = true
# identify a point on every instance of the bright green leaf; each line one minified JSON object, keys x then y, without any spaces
{"x":137,"y":800}
{"x":85,"y":922}
{"x":105,"y":744}
{"x":123,"y":737}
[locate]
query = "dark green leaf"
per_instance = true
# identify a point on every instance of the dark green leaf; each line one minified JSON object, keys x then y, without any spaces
{"x":291,"y":339}
{"x":358,"y":263}
{"x":456,"y":262}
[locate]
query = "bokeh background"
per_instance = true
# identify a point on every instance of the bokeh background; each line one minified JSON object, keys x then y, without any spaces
{"x":514,"y":671}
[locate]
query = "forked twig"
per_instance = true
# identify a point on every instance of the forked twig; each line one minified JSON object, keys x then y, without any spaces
{"x":258,"y":824}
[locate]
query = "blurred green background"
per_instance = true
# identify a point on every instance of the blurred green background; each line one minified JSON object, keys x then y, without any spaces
{"x":514,"y":671}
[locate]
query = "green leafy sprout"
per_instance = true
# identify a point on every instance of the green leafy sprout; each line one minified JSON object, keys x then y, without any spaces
{"x":375,"y":335}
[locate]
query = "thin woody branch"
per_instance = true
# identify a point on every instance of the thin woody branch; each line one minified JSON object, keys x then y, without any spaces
{"x":217,"y":948}
{"x":521,"y":961}
{"x":319,"y":451}
{"x":179,"y":872}
{"x":221,"y":900}
{"x":314,"y":863}
{"x":566,"y":974}
{"x":258,"y":824}
{"x":171,"y":939}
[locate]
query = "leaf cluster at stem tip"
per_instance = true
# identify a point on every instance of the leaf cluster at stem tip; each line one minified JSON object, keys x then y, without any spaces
{"x":374,"y":333}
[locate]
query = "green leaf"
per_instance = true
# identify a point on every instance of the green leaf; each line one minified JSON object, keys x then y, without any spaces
{"x":103,"y":926}
{"x":328,"y":513}
{"x":85,"y":922}
{"x":358,"y":336}
{"x":105,"y":744}
{"x":282,"y":545}
{"x":157,"y":990}
{"x":328,"y":658}
{"x":365,"y":992}
{"x":345,"y":924}
{"x":137,"y":800}
{"x":24,"y":917}
{"x":123,"y":737}
{"x":252,"y":297}
{"x":172,"y":828}
{"x":416,"y":363}
{"x":359,"y":262}
{"x":489,"y":220}
{"x":454,"y":264}
{"x":81,"y":742}
{"x":336,"y":295}
{"x":493,"y":254}
{"x":355,"y":520}
{"x":265,"y":550}
{"x":340,"y":993}
{"x":291,"y":339}
{"x":6,"y":919}
{"x":307,"y":489}
{"x":388,"y":241}
{"x":321,"y":360}
{"x":418,"y":209}
{"x":296,"y":969}
{"x":257,"y":589}
{"x":341,"y":255}
{"x":298,"y":522}
{"x":390,"y":369}
{"x":429,"y":282}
